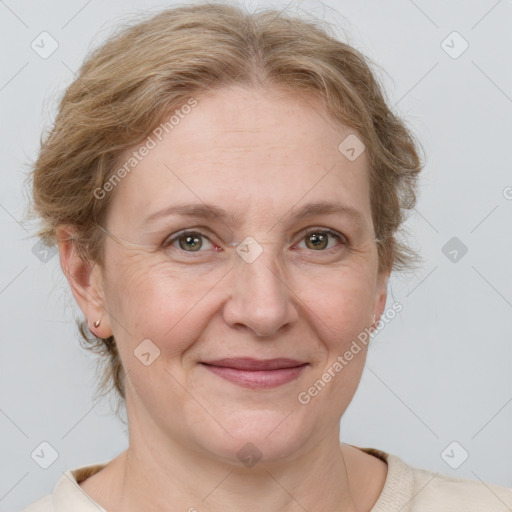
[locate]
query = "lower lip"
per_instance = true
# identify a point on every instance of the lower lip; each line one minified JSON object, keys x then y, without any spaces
{"x":257,"y":378}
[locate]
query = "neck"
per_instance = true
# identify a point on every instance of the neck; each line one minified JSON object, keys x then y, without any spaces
{"x":151,"y":477}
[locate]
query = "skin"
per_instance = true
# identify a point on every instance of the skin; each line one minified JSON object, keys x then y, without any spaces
{"x":260,"y":154}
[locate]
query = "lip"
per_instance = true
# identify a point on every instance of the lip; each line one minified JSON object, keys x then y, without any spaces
{"x":256,"y":373}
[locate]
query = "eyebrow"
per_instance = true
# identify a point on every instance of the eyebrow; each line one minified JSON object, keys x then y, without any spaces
{"x":209,"y":211}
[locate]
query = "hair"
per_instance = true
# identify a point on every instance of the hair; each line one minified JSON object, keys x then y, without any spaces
{"x":146,"y":70}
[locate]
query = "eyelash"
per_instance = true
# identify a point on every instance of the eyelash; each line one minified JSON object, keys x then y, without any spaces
{"x":338,"y":236}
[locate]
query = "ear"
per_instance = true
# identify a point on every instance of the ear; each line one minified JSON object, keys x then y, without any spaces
{"x":85,"y":281}
{"x":381,"y":294}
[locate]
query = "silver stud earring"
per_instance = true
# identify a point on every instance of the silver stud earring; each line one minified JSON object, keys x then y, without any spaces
{"x":97,"y":323}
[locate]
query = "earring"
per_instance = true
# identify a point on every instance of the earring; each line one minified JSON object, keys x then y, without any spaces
{"x":97,"y":323}
{"x":374,"y":326}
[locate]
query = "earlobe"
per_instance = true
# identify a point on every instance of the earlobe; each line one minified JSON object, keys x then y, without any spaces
{"x":84,"y":278}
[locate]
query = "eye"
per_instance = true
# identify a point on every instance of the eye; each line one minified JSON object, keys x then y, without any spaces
{"x":318,"y":239}
{"x":188,"y":241}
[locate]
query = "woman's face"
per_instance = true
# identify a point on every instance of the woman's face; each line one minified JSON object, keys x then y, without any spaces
{"x":291,"y":291}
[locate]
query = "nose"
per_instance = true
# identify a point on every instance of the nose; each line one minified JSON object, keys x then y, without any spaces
{"x":261,"y":298}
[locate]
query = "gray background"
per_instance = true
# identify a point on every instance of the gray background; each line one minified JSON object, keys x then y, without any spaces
{"x":440,"y":372}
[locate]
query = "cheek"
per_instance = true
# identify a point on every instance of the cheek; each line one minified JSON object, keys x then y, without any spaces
{"x":342,"y":306}
{"x":149,"y":300}
{"x":342,"y":317}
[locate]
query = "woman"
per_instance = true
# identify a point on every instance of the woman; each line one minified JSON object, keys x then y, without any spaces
{"x":225,"y":191}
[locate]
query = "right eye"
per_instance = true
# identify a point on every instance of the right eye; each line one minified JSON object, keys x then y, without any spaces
{"x":188,"y":241}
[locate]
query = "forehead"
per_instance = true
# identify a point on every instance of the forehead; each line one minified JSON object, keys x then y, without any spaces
{"x":246,"y":150}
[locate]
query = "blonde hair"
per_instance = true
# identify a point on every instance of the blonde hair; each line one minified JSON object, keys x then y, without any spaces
{"x":127,"y":86}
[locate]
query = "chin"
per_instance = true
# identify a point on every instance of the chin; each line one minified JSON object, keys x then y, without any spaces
{"x":257,"y":437}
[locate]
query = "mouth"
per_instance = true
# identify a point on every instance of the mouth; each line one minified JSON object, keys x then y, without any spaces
{"x":256,"y":373}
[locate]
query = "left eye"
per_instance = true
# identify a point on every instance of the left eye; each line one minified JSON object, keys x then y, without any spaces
{"x":319,"y":239}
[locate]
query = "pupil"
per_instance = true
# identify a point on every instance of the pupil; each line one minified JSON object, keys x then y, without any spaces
{"x":190,"y":240}
{"x":318,"y":239}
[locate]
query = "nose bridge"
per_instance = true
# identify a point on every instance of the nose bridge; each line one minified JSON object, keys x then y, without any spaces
{"x":260,"y":263}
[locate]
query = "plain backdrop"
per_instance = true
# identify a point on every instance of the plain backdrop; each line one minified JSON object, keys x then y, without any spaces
{"x":439,"y":373}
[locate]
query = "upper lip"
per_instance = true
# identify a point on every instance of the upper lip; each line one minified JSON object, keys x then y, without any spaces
{"x":248,"y":363}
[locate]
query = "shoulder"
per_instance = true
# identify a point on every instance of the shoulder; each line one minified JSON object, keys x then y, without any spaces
{"x":41,"y":505}
{"x":67,"y":495}
{"x":450,"y":494}
{"x":412,"y":489}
